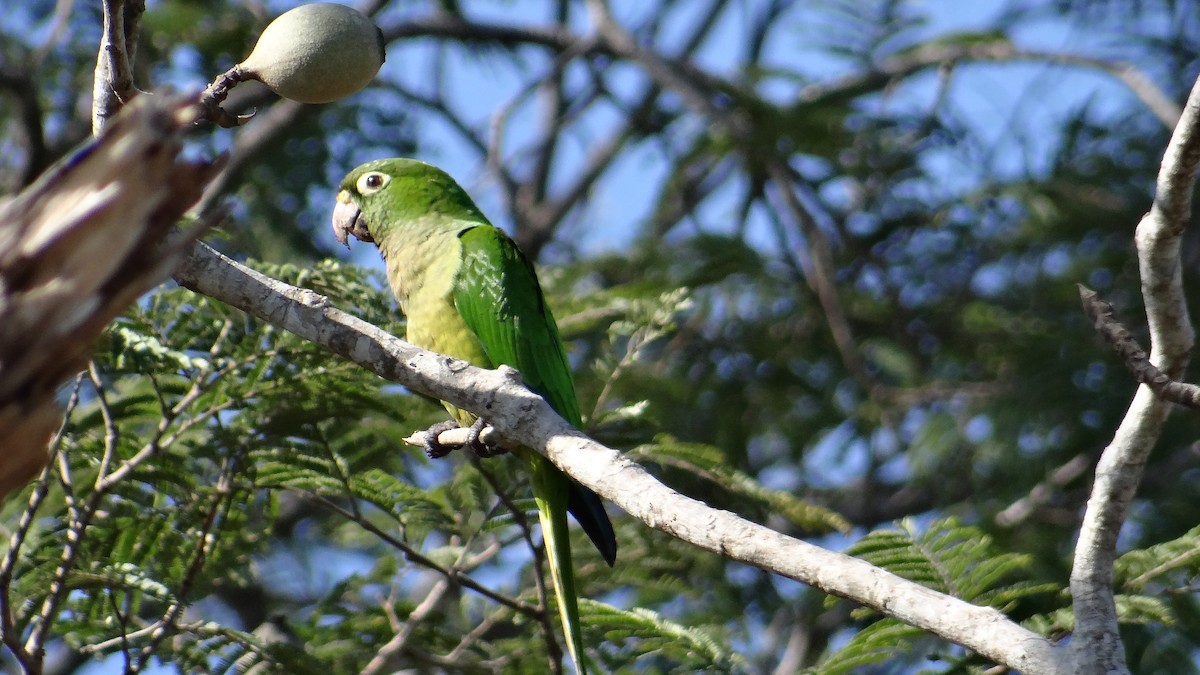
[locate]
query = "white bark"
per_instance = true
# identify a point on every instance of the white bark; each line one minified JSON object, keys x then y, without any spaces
{"x":1096,"y":643}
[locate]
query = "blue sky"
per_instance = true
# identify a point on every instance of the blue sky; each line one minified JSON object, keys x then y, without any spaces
{"x":1008,"y":105}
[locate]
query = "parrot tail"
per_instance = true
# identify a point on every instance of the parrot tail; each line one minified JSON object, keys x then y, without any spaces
{"x":589,"y":513}
{"x":551,"y":492}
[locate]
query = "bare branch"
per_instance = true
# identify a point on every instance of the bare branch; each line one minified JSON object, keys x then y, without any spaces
{"x":820,"y":273}
{"x":380,"y":662}
{"x":454,"y":574}
{"x":545,"y":619}
{"x":8,"y":632}
{"x":692,"y":85}
{"x":1000,"y":51}
{"x":112,"y":86}
{"x":205,"y":538}
{"x":553,"y":105}
{"x":1138,"y":362}
{"x":1096,"y":645}
{"x":1042,"y":493}
{"x":454,"y":27}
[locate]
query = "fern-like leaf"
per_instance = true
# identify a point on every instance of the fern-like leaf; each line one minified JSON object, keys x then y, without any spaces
{"x":692,"y":648}
{"x":947,"y":557}
{"x":1180,"y":557}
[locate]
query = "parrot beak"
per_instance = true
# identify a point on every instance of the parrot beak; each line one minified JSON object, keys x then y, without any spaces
{"x":348,"y":220}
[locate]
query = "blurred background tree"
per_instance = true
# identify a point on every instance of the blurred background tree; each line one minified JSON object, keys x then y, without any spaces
{"x":816,"y":264}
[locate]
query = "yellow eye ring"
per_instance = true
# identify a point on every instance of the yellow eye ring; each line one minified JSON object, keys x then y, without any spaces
{"x":372,"y":182}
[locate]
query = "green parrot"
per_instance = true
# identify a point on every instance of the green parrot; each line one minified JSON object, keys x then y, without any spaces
{"x":468,"y":292}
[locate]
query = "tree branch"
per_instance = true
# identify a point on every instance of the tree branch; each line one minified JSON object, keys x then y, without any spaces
{"x":77,"y":247}
{"x":618,"y":43}
{"x":112,"y":85}
{"x":998,"y":51}
{"x":523,"y":418}
{"x":451,"y":26}
{"x":821,"y":275}
{"x":382,"y":661}
{"x":1096,"y":645}
{"x":1138,"y":362}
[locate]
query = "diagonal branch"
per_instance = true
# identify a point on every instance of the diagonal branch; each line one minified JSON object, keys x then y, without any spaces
{"x":1138,"y":362}
{"x":820,"y":273}
{"x":524,"y":418}
{"x":997,"y":51}
{"x":78,"y":246}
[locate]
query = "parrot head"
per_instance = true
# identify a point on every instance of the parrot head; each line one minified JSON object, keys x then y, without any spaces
{"x":377,"y":200}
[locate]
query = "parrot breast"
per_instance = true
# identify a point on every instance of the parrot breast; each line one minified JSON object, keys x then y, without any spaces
{"x":423,"y":273}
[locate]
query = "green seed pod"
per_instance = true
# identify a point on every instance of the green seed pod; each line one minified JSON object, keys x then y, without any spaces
{"x":316,"y":53}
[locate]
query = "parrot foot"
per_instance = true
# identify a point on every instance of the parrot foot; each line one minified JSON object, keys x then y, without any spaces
{"x":433,"y":447}
{"x":482,"y":450}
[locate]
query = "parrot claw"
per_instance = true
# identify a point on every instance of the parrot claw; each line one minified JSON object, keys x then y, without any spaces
{"x":433,"y":447}
{"x":482,"y":450}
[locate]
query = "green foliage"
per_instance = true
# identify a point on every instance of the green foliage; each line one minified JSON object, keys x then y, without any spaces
{"x":165,"y":469}
{"x":1149,"y":581}
{"x":948,"y":557}
{"x":874,"y":644}
{"x":945,"y":556}
{"x":1172,"y":564}
{"x":658,"y":640}
{"x":177,"y":463}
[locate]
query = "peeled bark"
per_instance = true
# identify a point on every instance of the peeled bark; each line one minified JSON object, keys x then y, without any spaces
{"x":77,"y":247}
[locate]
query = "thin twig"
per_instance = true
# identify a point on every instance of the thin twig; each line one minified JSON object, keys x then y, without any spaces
{"x":545,"y":621}
{"x":379,"y":662}
{"x":205,"y":540}
{"x":477,"y":633}
{"x":35,"y":644}
{"x":821,"y":275}
{"x":11,"y":637}
{"x":937,"y":55}
{"x":415,"y":556}
{"x":111,"y":433}
{"x":121,"y":640}
{"x":1138,"y":361}
{"x":1042,"y":493}
{"x":553,"y":105}
{"x":122,"y":627}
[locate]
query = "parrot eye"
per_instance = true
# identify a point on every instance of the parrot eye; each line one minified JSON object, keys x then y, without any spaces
{"x":372,"y":182}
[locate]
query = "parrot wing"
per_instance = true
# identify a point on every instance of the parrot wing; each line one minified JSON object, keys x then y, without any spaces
{"x":498,"y":296}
